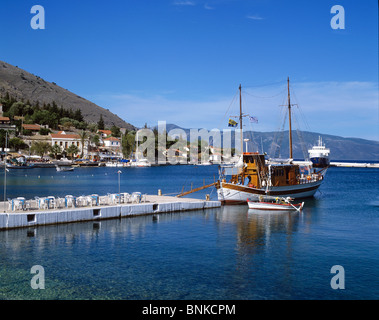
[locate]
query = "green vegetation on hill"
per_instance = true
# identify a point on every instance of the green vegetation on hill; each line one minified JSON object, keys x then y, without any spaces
{"x":45,"y":114}
{"x":25,"y":87}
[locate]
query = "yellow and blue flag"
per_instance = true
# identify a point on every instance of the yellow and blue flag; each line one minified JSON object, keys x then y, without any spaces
{"x":232,"y":123}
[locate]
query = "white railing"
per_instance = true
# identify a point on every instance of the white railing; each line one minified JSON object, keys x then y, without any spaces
{"x":70,"y":201}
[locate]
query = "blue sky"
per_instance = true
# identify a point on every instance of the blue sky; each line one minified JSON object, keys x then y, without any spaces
{"x":181,"y":61}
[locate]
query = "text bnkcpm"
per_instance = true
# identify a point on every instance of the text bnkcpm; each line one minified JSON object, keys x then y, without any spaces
{"x":215,"y":309}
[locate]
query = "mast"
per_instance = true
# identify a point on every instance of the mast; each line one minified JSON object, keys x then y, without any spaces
{"x":241,"y":120}
{"x":289,"y":117}
{"x":5,"y":170}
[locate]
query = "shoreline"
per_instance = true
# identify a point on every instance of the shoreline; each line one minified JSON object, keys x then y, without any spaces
{"x":102,"y":164}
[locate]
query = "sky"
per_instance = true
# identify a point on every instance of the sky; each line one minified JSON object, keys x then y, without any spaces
{"x":182,"y":61}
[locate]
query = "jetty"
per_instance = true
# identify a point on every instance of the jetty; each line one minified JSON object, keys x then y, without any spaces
{"x":342,"y":164}
{"x":354,"y":164}
{"x":22,"y":213}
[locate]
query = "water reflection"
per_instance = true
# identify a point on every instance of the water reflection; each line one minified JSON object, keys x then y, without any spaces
{"x":231,"y":249}
{"x":84,"y":232}
{"x":255,"y":228}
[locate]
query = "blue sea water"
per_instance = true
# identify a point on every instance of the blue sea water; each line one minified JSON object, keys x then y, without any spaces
{"x":224,"y":253}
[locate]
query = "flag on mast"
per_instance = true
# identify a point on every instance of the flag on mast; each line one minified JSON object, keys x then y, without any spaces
{"x":253,"y":119}
{"x":232,"y":123}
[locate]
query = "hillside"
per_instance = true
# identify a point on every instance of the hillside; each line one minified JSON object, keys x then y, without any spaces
{"x":24,"y":85}
{"x":341,"y":148}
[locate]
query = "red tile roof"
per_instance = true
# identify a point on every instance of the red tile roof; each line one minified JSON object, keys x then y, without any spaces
{"x":31,"y":126}
{"x":112,"y":139}
{"x":106,"y":131}
{"x":64,"y":136}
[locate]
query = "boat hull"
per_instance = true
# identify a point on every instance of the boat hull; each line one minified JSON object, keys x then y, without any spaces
{"x":20,"y":167}
{"x":320,"y":162}
{"x":274,"y":206}
{"x":59,"y":169}
{"x":229,"y":193}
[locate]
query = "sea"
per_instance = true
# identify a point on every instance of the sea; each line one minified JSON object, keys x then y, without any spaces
{"x":329,"y":251}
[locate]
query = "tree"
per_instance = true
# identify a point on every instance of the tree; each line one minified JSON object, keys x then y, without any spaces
{"x":92,"y":127}
{"x":116,"y":132}
{"x":44,"y":131}
{"x":40,"y":148}
{"x":45,"y":117}
{"x":2,"y":138}
{"x":128,"y":143}
{"x":78,"y":115}
{"x":95,"y":139}
{"x":72,"y":149}
{"x":17,"y":143}
{"x":55,"y":150}
{"x":16,"y":109}
{"x":100,"y":123}
{"x":83,"y":137}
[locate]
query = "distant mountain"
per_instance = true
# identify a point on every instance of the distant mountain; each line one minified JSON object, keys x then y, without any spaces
{"x":354,"y":149}
{"x":24,"y":85}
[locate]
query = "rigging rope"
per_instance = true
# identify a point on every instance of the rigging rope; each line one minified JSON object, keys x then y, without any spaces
{"x":269,"y":97}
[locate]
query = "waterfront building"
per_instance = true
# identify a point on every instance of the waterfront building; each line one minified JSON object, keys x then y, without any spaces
{"x":112,"y":142}
{"x":64,"y":140}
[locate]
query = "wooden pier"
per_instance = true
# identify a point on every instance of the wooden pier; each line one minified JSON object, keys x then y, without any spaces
{"x":12,"y":217}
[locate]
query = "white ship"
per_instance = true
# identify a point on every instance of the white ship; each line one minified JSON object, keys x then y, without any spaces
{"x":319,"y":155}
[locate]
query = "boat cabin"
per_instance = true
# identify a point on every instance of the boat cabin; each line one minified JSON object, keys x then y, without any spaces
{"x":255,"y":172}
{"x":284,"y":175}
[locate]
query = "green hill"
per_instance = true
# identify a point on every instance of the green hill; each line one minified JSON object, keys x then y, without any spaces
{"x":23,"y":85}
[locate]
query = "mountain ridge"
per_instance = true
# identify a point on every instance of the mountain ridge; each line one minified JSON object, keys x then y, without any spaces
{"x":341,"y":148}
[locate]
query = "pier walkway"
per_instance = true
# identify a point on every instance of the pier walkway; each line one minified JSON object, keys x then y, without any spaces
{"x":34,"y":212}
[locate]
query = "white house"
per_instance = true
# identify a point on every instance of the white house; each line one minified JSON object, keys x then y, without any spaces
{"x":64,"y":140}
{"x":112,"y":142}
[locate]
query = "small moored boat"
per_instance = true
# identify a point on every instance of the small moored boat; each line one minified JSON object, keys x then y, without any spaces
{"x":20,"y":166}
{"x":274,"y":204}
{"x":64,"y":169}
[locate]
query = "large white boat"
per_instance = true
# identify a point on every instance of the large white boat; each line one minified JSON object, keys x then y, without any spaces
{"x":319,"y":155}
{"x":257,"y":177}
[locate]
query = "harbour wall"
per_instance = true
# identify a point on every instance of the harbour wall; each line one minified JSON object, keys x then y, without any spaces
{"x":10,"y":220}
{"x":343,"y":164}
{"x":354,"y":164}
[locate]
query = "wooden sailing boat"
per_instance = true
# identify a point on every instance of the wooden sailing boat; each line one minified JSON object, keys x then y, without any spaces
{"x":257,"y":176}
